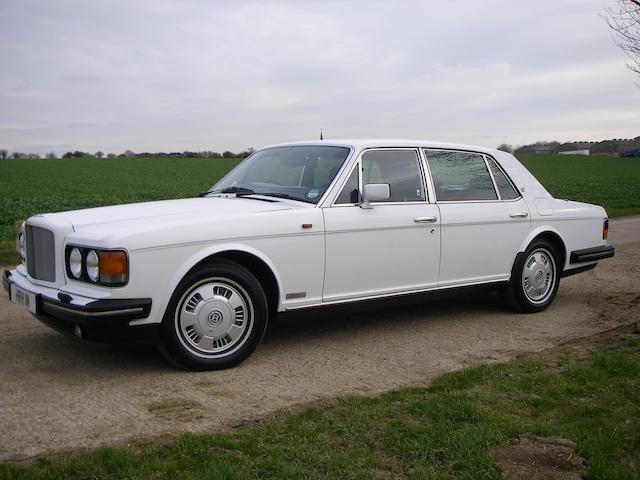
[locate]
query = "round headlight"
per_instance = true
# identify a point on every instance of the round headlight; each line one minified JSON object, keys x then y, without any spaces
{"x":75,"y":263}
{"x":21,"y":246}
{"x":92,"y":266}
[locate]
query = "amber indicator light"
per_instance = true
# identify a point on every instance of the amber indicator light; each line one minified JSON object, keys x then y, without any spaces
{"x":307,"y":225}
{"x":113,"y":263}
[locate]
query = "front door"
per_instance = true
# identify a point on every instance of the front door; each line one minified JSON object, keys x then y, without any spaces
{"x":391,"y":248}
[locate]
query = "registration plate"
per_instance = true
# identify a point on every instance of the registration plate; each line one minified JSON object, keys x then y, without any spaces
{"x":24,"y":298}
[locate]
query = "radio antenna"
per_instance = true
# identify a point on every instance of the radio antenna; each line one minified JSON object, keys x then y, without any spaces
{"x":321,"y":138}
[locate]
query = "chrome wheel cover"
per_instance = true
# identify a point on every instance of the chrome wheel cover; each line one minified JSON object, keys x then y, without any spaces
{"x":214,"y":318}
{"x":539,"y":276}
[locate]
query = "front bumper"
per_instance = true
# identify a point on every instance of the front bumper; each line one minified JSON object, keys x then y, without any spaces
{"x":103,"y":321}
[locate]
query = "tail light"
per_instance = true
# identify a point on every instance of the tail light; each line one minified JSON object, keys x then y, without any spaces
{"x":605,"y":229}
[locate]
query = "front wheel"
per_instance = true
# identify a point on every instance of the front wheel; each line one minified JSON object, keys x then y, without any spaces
{"x":215,"y":319}
{"x":534,"y":279}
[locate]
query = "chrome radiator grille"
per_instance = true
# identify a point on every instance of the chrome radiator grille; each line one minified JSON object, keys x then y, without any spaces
{"x":41,"y":255}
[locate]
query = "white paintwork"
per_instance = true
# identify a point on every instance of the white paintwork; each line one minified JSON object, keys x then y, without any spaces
{"x":476,"y":237}
{"x":349,"y":253}
{"x":380,"y":250}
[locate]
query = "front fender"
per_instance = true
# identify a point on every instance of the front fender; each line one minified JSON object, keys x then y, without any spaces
{"x":205,"y":253}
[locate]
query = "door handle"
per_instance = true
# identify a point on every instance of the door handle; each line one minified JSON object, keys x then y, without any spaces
{"x":425,"y":219}
{"x":519,"y":215}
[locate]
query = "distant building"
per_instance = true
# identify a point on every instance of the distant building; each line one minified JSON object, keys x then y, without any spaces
{"x":615,"y":148}
{"x":574,"y":148}
{"x":584,"y":151}
{"x":538,"y":149}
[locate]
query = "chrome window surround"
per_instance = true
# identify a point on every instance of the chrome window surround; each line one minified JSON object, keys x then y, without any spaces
{"x":484,"y":156}
{"x":358,"y":164}
{"x":487,"y":158}
{"x":493,"y":180}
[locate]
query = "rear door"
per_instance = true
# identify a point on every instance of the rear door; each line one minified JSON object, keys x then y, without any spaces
{"x":483,"y":217}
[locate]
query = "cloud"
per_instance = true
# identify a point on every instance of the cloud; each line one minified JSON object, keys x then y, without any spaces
{"x":167,"y":75}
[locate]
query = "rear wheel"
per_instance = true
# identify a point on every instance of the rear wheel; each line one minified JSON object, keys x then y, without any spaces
{"x":534,"y":279}
{"x":216,"y":318}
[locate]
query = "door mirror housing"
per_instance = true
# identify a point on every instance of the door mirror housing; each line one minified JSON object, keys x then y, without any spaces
{"x":375,"y":192}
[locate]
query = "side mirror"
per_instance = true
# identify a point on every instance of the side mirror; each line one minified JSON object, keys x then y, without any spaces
{"x":375,"y":192}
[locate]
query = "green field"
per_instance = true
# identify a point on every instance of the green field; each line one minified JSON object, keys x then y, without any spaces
{"x":611,"y":182}
{"x":585,"y":393}
{"x":33,"y":186}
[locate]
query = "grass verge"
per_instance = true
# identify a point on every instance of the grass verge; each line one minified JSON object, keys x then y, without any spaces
{"x":586,"y":392}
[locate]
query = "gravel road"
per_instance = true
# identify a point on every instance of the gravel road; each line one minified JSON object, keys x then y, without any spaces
{"x":57,"y":393}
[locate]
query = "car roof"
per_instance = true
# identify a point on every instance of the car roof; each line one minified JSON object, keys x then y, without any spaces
{"x":358,"y":144}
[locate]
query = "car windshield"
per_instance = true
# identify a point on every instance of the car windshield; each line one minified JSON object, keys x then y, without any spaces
{"x":297,"y":172}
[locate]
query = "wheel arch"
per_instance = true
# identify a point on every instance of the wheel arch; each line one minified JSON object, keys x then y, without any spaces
{"x":253,"y":260}
{"x":552,"y":236}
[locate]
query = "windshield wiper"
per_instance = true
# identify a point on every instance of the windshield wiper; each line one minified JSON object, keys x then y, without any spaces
{"x":236,"y":190}
{"x":277,"y":195}
{"x":243,"y":192}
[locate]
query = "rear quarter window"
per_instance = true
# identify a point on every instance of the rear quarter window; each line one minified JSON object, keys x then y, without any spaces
{"x":505,"y":187}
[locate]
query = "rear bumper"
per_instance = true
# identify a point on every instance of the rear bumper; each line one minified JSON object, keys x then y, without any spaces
{"x":104,"y":321}
{"x":592,"y":254}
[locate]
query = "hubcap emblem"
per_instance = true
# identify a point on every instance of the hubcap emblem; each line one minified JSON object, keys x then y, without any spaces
{"x":215,"y":317}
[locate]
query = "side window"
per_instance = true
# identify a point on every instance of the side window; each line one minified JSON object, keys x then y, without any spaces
{"x":400,"y":169}
{"x":349,"y":193}
{"x":506,"y":189}
{"x":460,"y":176}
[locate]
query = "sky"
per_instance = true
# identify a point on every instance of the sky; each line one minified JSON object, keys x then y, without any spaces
{"x":159,"y":75}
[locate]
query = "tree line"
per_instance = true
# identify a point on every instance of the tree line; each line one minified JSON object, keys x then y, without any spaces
{"x":5,"y":154}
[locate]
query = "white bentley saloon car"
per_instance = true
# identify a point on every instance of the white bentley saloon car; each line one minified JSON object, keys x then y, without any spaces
{"x":302,"y":225}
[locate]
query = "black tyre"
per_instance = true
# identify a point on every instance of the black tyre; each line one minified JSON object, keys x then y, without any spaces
{"x":215,"y":319}
{"x":534,"y":278}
